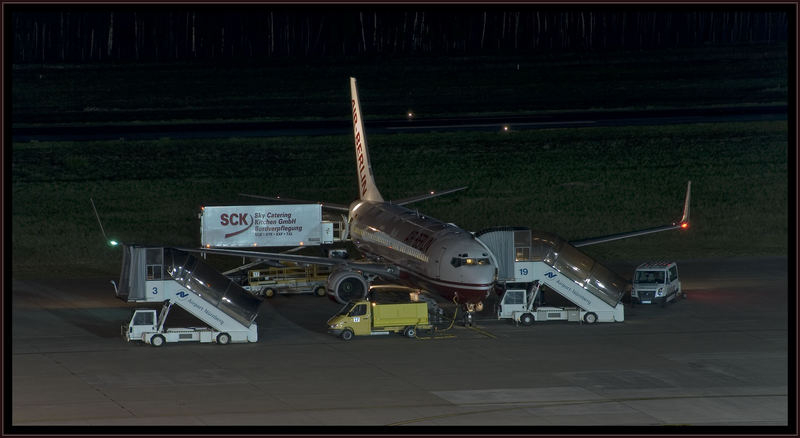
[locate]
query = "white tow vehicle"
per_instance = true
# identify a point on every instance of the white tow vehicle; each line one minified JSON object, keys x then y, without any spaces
{"x":656,"y":283}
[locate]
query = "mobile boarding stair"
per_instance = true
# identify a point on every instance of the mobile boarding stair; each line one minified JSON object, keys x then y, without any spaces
{"x":175,"y":277}
{"x":530,"y":260}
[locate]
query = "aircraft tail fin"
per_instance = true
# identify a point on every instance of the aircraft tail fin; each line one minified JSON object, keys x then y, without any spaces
{"x":367,"y":190}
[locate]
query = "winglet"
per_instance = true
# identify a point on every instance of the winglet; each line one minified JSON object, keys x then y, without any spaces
{"x":110,"y":242}
{"x":685,"y":219}
{"x":682,"y":225}
{"x":367,"y":190}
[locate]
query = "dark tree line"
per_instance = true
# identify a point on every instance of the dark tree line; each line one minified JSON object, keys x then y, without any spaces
{"x":54,"y":36}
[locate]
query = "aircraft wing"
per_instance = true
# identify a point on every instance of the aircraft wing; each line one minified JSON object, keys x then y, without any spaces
{"x":429,"y":195}
{"x":327,"y":205}
{"x":682,"y":224}
{"x":384,"y":270}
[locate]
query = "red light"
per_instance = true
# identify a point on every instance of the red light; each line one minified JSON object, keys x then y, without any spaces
{"x":685,"y":225}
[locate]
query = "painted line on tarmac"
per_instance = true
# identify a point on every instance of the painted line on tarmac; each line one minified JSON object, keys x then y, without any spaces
{"x":483,"y":332}
{"x":506,"y":406}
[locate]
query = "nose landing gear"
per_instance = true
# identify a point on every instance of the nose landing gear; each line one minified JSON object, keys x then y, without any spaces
{"x":469,"y":313}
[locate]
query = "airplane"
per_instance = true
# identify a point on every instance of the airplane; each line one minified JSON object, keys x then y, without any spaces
{"x":405,"y":247}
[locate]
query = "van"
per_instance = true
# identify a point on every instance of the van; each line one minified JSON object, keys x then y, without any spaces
{"x":656,"y":283}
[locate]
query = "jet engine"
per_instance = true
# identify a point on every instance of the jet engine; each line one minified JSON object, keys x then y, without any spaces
{"x":345,"y":286}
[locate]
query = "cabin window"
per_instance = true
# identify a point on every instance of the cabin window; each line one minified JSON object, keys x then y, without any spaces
{"x":673,"y":273}
{"x":514,"y":297}
{"x":359,"y":310}
{"x":652,"y":277}
{"x":154,"y":258}
{"x":143,"y":318}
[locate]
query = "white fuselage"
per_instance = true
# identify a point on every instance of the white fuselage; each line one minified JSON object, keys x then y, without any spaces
{"x":430,"y":254}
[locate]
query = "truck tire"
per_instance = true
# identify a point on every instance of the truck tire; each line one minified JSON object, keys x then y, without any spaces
{"x":319,"y":291}
{"x":526,"y":319}
{"x":590,"y":318}
{"x":347,"y":334}
{"x":410,"y":332}
{"x":223,"y":339}
{"x":269,"y":292}
{"x":157,"y":341}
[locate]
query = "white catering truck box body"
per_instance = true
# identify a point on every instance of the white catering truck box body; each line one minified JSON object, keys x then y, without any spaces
{"x":262,"y":225}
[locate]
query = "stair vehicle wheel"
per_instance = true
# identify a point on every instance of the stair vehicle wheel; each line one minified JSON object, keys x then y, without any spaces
{"x":590,"y":318}
{"x":157,"y":341}
{"x":347,"y":334}
{"x":319,"y":291}
{"x":269,"y":292}
{"x":526,"y":319}
{"x":223,"y":339}
{"x":410,"y":332}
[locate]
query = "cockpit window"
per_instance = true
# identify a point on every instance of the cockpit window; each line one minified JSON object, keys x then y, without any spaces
{"x":469,"y":261}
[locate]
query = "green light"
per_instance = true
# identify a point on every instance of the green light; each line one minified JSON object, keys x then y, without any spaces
{"x":113,"y":242}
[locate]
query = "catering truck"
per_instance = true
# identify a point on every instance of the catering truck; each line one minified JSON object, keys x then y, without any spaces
{"x":656,"y":283}
{"x":361,"y":318}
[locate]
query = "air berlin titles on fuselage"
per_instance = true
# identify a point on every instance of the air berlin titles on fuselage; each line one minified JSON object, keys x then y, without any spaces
{"x":359,"y":152}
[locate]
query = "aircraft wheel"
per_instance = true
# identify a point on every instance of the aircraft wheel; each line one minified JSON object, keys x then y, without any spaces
{"x":223,"y":339}
{"x":526,"y":319}
{"x":269,"y":292}
{"x":319,"y":291}
{"x":410,"y":332}
{"x":347,"y":334}
{"x":590,"y":318}
{"x":157,"y":341}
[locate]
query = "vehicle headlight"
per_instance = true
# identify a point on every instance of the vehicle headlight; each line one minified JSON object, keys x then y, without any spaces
{"x":660,"y":292}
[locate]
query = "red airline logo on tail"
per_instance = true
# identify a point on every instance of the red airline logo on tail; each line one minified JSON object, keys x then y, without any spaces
{"x":359,"y":152}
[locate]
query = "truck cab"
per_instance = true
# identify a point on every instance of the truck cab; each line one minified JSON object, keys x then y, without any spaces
{"x":656,"y":283}
{"x":143,"y":321}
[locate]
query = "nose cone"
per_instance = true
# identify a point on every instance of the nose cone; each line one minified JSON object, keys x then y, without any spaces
{"x":468,"y":262}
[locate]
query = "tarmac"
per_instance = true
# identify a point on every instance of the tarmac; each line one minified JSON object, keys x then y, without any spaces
{"x":720,"y":358}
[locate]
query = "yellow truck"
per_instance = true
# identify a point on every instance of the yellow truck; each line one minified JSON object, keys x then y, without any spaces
{"x":361,"y":318}
{"x":288,"y":278}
